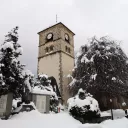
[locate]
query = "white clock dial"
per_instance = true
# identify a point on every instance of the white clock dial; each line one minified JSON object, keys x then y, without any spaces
{"x":49,"y":36}
{"x":66,"y":37}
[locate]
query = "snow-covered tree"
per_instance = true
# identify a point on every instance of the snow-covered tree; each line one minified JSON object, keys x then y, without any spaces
{"x":101,"y":68}
{"x":83,"y":106}
{"x":12,"y":78}
{"x":10,"y":67}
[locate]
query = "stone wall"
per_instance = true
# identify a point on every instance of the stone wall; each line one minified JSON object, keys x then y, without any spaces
{"x":67,"y":69}
{"x":50,"y":66}
{"x":58,"y":62}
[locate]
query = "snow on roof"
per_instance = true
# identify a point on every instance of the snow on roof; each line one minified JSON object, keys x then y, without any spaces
{"x":37,"y":90}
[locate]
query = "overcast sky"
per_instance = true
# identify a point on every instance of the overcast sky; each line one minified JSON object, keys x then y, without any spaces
{"x":85,"y":18}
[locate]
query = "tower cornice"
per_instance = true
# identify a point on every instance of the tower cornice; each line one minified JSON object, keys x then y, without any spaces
{"x":56,"y":25}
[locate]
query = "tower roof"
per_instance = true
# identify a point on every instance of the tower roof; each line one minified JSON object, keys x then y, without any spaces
{"x":56,"y":25}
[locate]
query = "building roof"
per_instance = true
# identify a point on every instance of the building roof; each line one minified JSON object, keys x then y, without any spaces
{"x":56,"y":25}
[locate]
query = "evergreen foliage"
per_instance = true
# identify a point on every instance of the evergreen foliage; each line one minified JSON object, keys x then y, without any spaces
{"x":12,"y":78}
{"x":101,"y":67}
{"x":83,"y":106}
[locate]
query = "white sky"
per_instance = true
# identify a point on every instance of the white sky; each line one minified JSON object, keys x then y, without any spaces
{"x":85,"y":18}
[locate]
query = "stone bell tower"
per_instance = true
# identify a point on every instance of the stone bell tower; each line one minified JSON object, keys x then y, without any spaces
{"x":56,"y":55}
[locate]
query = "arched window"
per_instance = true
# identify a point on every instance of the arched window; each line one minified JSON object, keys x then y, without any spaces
{"x":69,"y":50}
{"x":66,"y":48}
{"x":46,"y":49}
{"x":51,"y":48}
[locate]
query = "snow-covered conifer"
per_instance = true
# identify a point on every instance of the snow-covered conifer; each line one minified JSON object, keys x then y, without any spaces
{"x":11,"y":69}
{"x":102,"y":67}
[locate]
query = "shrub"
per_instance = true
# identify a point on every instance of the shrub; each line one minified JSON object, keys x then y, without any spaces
{"x":83,"y":106}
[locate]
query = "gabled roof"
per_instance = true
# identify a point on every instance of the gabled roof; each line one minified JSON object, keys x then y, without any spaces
{"x":56,"y":25}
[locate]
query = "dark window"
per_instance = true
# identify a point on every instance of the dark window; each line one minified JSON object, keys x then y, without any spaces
{"x":66,"y":48}
{"x":46,"y":49}
{"x":51,"y":48}
{"x":69,"y":50}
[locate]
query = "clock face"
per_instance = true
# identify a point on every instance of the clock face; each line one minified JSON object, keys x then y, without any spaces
{"x":49,"y":36}
{"x":66,"y":37}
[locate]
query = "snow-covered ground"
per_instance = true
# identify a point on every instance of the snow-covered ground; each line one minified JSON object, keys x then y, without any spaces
{"x":34,"y":119}
{"x":118,"y":113}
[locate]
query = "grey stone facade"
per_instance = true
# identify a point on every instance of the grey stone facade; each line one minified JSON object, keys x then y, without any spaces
{"x":60,"y":60}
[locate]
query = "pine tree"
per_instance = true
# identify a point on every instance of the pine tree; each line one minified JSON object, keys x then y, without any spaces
{"x":10,"y":67}
{"x":101,"y":67}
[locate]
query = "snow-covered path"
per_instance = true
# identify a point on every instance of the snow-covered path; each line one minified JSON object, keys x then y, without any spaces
{"x":35,"y":119}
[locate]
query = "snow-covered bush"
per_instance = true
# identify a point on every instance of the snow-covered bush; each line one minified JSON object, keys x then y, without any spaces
{"x":43,"y":85}
{"x":83,"y":106}
{"x":101,"y":69}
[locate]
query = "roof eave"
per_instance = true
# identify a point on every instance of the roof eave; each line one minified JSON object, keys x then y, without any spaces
{"x":55,"y":25}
